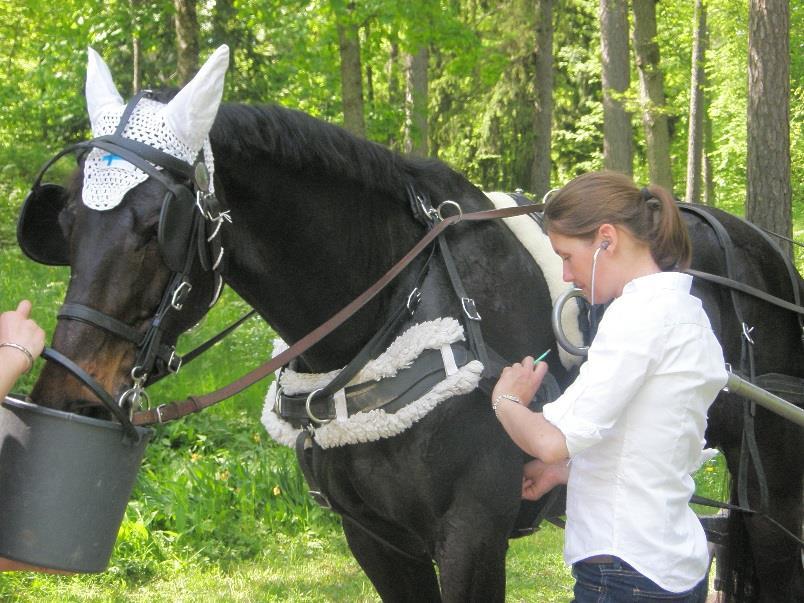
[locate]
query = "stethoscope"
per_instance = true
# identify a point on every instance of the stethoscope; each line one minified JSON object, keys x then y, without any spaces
{"x":603,"y":246}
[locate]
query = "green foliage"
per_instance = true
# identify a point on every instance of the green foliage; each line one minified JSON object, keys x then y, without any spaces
{"x":481,"y":76}
{"x":578,"y":95}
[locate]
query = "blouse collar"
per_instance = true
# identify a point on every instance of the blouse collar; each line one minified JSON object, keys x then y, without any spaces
{"x":660,"y":280}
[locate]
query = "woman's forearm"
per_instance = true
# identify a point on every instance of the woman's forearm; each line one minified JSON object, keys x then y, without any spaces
{"x":532,"y":432}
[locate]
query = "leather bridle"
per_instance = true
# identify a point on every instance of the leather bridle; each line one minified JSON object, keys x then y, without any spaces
{"x":189,"y":231}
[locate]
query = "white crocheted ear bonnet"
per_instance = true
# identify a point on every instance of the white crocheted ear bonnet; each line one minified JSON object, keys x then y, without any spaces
{"x":179,"y":128}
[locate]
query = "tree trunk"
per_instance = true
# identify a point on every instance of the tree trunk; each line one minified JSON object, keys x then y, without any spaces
{"x":543,"y":110}
{"x":696,"y":116}
{"x":617,"y":131}
{"x":186,"y":22}
{"x":392,"y":74}
{"x":369,"y":72}
{"x":709,"y":148}
{"x":136,"y":64}
{"x":651,"y":88}
{"x":223,"y":24}
{"x":351,"y":72}
{"x":416,"y":102}
{"x":136,"y":50}
{"x":768,"y":202}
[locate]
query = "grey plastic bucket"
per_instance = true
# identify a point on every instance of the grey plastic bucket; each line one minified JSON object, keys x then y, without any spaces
{"x":65,"y":481}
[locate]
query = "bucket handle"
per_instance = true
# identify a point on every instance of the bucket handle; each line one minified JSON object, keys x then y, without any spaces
{"x":97,"y":389}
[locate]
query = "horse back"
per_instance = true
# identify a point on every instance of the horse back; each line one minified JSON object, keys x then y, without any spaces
{"x":758,"y":262}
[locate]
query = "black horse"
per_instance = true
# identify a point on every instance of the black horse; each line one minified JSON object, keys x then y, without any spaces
{"x":317,"y":215}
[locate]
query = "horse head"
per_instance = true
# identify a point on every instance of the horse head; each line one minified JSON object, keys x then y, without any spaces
{"x":133,"y":226}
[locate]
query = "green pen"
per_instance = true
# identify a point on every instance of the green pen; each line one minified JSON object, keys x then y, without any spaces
{"x":542,"y":357}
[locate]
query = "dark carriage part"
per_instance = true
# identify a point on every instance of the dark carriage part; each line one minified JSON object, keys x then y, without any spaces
{"x":38,"y":232}
{"x":65,"y":481}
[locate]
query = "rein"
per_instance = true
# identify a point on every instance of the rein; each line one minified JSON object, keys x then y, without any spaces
{"x":175,"y":410}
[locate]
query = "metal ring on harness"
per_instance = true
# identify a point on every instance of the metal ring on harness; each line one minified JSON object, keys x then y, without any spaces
{"x":310,"y":414}
{"x":449,"y":202}
{"x":558,"y":330}
{"x":136,"y":398}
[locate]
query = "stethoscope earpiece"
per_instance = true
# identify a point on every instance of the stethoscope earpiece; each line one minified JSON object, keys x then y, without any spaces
{"x":603,"y":246}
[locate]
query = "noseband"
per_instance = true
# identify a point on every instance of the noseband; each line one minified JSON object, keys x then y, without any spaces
{"x":189,"y":227}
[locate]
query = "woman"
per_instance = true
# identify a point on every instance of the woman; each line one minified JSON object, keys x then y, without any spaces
{"x":627,"y":434}
{"x":21,"y":342}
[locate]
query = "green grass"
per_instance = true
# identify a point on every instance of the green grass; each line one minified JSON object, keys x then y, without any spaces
{"x":305,"y":567}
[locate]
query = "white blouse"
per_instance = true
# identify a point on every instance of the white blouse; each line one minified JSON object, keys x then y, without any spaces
{"x":634,"y":423}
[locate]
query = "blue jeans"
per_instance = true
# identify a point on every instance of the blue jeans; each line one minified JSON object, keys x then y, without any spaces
{"x":618,"y":582}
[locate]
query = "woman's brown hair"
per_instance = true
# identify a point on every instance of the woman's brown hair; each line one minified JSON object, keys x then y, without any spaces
{"x":579,"y":208}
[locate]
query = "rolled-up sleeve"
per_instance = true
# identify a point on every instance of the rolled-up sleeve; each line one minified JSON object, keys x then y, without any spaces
{"x":622,"y":355}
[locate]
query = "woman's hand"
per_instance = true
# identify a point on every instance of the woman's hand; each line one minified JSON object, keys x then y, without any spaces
{"x":521,"y":379}
{"x":24,"y":341}
{"x":539,"y":478}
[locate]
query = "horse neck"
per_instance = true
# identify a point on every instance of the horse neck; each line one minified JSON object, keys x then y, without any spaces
{"x":302,"y":246}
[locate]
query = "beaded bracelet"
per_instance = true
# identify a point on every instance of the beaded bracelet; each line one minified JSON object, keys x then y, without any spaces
{"x":496,"y":402}
{"x":21,"y":348}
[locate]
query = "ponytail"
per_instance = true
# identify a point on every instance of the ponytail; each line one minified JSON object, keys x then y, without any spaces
{"x":668,"y":239}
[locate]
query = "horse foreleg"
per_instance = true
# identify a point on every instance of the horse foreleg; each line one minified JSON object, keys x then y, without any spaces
{"x":397,"y":576}
{"x":471,"y":556}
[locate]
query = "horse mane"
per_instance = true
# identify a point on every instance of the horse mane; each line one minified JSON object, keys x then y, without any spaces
{"x":298,"y":141}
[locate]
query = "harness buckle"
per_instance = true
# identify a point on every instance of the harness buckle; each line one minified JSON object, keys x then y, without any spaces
{"x":310,"y":414}
{"x":174,"y":362}
{"x":278,"y":402}
{"x":470,"y":309}
{"x":180,"y":294}
{"x":159,"y":416}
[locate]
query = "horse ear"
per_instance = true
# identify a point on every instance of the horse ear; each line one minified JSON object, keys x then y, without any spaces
{"x":101,"y":92}
{"x":191,"y":112}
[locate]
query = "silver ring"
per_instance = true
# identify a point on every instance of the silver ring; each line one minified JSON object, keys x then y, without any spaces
{"x":310,"y":414}
{"x":449,"y":202}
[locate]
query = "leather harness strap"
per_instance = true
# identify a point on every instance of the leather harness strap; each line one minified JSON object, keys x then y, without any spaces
{"x":175,"y":410}
{"x":747,"y":289}
{"x":749,"y":450}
